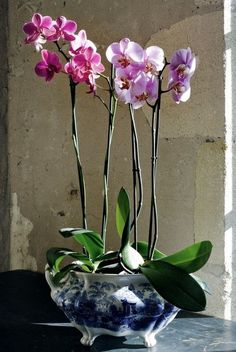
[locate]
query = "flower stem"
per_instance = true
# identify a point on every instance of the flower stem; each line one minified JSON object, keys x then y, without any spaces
{"x":153,"y":225}
{"x":153,"y":208}
{"x":112,"y":113}
{"x":136,"y":171}
{"x":61,"y":51}
{"x":75,"y":139}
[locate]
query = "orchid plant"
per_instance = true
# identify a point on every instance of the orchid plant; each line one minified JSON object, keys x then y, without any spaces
{"x":136,"y":78}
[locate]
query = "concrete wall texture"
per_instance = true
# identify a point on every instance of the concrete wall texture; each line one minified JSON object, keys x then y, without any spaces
{"x":41,"y":166}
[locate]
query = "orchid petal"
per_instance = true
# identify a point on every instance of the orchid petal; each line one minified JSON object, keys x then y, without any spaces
{"x":99,"y":69}
{"x":155,"y":56}
{"x":46,"y":22}
{"x":186,"y":95}
{"x":79,"y":60}
{"x":96,"y":59}
{"x":45,"y":54}
{"x":29,"y":28}
{"x":123,"y":45}
{"x":112,"y":50}
{"x":139,"y":85}
{"x":82,"y":36}
{"x":61,"y":21}
{"x":37,"y":19}
{"x":135,"y":52}
{"x":70,"y":26}
{"x":41,"y":69}
{"x":138,"y":104}
{"x":67,"y":36}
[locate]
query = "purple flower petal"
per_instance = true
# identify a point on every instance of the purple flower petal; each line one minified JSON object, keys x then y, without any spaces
{"x":96,"y":59}
{"x":135,"y":52}
{"x":113,"y":50}
{"x":155,"y":56}
{"x":82,"y":36}
{"x":41,"y":69}
{"x":181,"y":56}
{"x":79,"y":60}
{"x":139,"y":84}
{"x":45,"y":55}
{"x":37,"y":19}
{"x":138,"y":104}
{"x":46,"y":22}
{"x":68,"y":36}
{"x":29,"y":28}
{"x":123,"y":45}
{"x":70,"y":26}
{"x":61,"y":21}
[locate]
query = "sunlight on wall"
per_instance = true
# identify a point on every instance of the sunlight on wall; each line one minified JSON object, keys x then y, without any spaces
{"x":228,"y":165}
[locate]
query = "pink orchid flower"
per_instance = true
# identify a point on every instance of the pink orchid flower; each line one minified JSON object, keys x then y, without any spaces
{"x":63,"y":29}
{"x":123,"y":84}
{"x":182,"y":64}
{"x":154,"y":60}
{"x":180,"y":90}
{"x":124,"y":53}
{"x":181,"y":69}
{"x":38,"y":29}
{"x":145,"y":89}
{"x":49,"y":65}
{"x":83,"y":65}
{"x":136,"y":90}
{"x":81,"y":43}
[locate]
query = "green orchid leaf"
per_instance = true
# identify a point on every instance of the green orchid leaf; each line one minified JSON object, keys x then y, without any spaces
{"x":108,"y":259}
{"x":56,"y":255}
{"x":191,"y":258}
{"x":89,"y":239}
{"x":122,"y":210}
{"x":126,"y":234}
{"x":108,"y":256}
{"x":142,"y":248}
{"x":64,"y":271}
{"x":131,"y":258}
{"x":203,"y":284}
{"x":175,"y":285}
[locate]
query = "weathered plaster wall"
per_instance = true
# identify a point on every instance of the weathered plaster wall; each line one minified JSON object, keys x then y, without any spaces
{"x":4,"y":184}
{"x":191,"y":169}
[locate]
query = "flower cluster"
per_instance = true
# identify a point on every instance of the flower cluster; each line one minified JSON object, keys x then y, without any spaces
{"x":182,"y":67}
{"x":83,"y":61}
{"x":138,"y":69}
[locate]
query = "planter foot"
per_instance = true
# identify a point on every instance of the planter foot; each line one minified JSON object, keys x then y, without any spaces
{"x":150,"y":340}
{"x":87,"y":338}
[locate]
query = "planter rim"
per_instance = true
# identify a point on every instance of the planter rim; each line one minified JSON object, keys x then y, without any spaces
{"x":80,"y":273}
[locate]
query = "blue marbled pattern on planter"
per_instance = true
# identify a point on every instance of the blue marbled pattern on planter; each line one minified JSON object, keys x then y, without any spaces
{"x":115,"y":304}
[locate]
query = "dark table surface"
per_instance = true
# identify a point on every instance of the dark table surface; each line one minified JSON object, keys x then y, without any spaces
{"x":31,"y":322}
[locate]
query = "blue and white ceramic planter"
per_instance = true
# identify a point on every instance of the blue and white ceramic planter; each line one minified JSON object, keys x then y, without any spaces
{"x":118,"y":305}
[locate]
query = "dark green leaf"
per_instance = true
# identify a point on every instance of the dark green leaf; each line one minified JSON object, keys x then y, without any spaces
{"x":125,"y":234}
{"x":71,"y":267}
{"x":175,"y":285}
{"x":191,"y":258}
{"x":131,"y":258}
{"x":109,"y":259}
{"x":122,"y":210}
{"x":142,"y":248}
{"x":108,"y":256}
{"x":89,"y":239}
{"x":203,"y":284}
{"x":56,"y":255}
